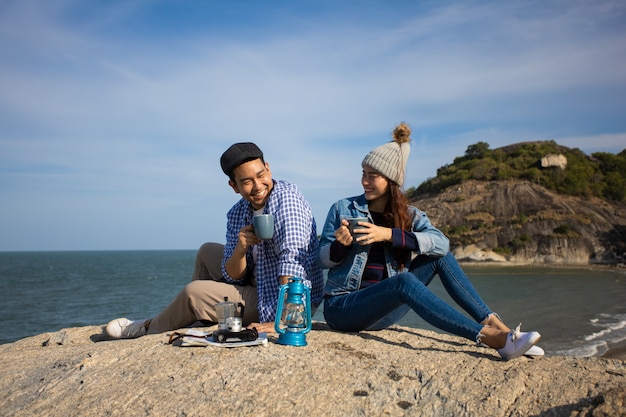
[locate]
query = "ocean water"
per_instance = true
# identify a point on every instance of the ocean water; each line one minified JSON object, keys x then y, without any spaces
{"x":579,"y":312}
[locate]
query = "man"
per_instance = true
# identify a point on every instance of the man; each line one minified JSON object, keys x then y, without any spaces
{"x":252,"y":270}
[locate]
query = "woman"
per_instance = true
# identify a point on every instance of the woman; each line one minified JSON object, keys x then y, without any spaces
{"x":382,"y":270}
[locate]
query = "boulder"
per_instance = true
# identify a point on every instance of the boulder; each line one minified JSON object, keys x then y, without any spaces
{"x":553,"y":160}
{"x":394,"y":372}
{"x":472,"y":253}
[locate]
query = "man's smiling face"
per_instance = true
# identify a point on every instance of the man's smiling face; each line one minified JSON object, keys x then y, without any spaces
{"x":253,"y":180}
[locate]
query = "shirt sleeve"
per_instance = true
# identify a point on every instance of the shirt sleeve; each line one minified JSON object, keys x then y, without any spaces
{"x":404,"y":240}
{"x":338,"y":251}
{"x":294,"y":222}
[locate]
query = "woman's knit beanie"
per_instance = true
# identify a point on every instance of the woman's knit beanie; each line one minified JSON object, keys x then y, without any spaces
{"x":390,"y":159}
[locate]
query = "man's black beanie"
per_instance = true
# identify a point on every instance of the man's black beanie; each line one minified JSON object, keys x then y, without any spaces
{"x":237,"y":154}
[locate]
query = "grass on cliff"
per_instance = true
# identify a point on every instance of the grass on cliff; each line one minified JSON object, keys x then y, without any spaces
{"x":600,"y":175}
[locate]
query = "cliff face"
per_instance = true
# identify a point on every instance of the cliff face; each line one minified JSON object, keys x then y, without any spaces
{"x":522,"y":222}
{"x":395,"y":372}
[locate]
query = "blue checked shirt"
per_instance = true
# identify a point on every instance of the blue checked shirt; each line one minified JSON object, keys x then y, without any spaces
{"x":291,"y":252}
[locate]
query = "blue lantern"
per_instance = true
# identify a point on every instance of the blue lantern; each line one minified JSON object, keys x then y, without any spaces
{"x":293,"y":317}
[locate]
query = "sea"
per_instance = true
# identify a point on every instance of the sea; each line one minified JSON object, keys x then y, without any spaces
{"x":578,"y":311}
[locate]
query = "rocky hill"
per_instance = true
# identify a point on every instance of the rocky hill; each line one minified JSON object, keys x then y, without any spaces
{"x":518,"y":221}
{"x":395,"y":372}
{"x":530,"y":203}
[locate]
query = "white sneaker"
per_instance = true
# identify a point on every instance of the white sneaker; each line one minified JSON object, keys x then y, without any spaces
{"x":535,"y":351}
{"x":518,"y":343}
{"x":126,"y":329}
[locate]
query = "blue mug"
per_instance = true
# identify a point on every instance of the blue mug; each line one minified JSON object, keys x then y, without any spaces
{"x":263,"y":226}
{"x":353,"y":224}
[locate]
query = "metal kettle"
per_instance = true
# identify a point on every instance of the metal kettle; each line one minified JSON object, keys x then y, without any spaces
{"x":229,"y":315}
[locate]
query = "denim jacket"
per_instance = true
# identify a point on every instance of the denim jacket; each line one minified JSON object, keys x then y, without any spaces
{"x":345,"y":276}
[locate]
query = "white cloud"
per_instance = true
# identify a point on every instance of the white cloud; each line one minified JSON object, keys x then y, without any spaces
{"x":92,"y":111}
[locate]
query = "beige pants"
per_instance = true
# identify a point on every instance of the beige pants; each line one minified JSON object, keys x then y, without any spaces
{"x":197,"y":299}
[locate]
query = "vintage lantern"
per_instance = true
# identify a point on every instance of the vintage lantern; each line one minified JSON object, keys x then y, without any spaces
{"x":293,"y":316}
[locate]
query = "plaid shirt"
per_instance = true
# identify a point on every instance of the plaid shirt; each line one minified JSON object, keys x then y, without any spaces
{"x":291,"y":252}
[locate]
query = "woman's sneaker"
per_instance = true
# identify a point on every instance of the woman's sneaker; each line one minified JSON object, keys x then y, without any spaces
{"x":518,"y":343}
{"x":535,"y":351}
{"x":126,"y":329}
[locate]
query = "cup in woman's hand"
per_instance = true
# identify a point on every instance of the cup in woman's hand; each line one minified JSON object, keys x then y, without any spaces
{"x":353,"y":224}
{"x":263,"y":226}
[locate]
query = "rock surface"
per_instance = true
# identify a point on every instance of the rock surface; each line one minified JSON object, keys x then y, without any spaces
{"x":395,"y":372}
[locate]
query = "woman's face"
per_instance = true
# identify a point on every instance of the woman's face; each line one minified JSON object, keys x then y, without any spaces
{"x":374,"y":184}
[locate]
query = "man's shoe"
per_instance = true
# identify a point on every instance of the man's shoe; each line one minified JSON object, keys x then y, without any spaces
{"x":518,"y":343}
{"x":126,"y":329}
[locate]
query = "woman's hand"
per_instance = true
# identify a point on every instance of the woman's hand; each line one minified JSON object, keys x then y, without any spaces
{"x":343,"y":235}
{"x":368,"y":233}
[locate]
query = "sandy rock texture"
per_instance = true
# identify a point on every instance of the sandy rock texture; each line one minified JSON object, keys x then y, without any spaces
{"x":395,"y":372}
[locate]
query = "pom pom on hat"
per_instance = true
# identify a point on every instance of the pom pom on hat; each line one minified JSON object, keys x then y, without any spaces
{"x":390,"y":159}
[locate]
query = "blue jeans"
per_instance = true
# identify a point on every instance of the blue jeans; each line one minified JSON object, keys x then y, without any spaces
{"x":382,"y":304}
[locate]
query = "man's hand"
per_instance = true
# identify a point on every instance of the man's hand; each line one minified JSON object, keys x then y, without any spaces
{"x":247,"y":238}
{"x":264,"y":327}
{"x":236,"y":265}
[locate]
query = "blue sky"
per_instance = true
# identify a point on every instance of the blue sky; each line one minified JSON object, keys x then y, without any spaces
{"x":113,"y":114}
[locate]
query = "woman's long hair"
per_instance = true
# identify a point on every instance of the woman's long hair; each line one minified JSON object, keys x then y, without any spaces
{"x":397,"y":215}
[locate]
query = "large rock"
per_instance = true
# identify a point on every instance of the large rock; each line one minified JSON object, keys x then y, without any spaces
{"x":552,"y":160}
{"x":399,"y":371}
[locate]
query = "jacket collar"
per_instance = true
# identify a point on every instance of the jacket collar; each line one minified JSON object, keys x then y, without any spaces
{"x":360,"y":204}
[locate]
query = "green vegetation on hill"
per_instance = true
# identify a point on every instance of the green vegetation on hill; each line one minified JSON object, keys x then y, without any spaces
{"x":600,"y":175}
